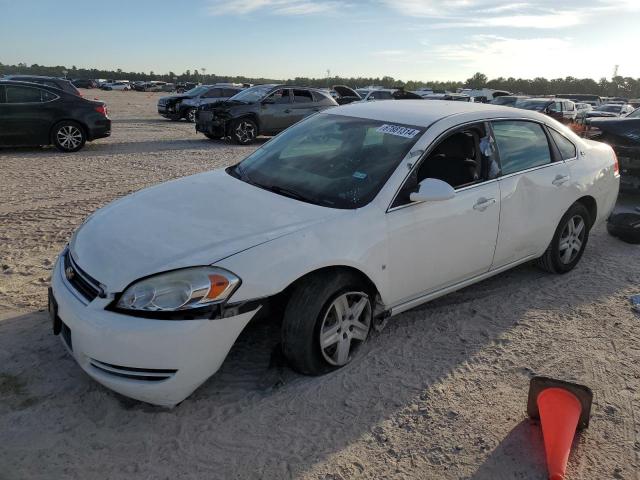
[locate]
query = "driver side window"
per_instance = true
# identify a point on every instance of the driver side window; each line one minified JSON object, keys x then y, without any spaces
{"x":461,"y":159}
{"x":280,"y":96}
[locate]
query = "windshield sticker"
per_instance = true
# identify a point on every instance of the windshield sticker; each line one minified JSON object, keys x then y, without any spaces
{"x":398,"y":130}
{"x":359,"y":175}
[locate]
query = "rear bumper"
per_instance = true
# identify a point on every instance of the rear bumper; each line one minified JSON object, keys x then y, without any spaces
{"x":100,"y":129}
{"x":156,"y":361}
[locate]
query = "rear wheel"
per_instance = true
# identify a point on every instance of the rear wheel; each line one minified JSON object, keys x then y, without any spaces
{"x":327,"y":319}
{"x":68,"y":136}
{"x":244,"y":131}
{"x":569,"y":241}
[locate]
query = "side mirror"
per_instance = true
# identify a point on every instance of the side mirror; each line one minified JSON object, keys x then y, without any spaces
{"x":433,"y":190}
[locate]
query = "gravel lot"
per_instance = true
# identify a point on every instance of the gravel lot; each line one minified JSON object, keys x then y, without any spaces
{"x":440,"y":393}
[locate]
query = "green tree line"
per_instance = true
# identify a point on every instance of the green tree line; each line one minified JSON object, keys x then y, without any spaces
{"x":617,"y":86}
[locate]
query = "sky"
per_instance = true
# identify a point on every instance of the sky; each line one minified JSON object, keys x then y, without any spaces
{"x":406,"y":39}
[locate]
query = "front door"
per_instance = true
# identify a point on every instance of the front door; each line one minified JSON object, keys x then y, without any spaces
{"x":433,"y":245}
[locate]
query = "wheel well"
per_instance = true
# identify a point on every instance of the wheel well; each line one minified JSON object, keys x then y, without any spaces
{"x":592,"y":207}
{"x":283,"y":297}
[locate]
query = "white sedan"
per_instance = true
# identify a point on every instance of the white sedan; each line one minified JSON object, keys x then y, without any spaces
{"x":349,"y":217}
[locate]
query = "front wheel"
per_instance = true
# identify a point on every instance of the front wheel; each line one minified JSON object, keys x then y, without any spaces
{"x":244,"y":131}
{"x":569,"y":241}
{"x":68,"y":137}
{"x":190,"y":115}
{"x":327,"y":319}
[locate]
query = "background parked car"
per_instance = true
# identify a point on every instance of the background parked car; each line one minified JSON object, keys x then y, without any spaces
{"x":185,"y":86}
{"x":623,"y":134}
{"x":581,"y":110}
{"x":562,"y":110}
{"x":32,"y":114}
{"x":185,"y":105}
{"x":59,"y":83}
{"x":508,"y":100}
{"x":260,"y":110}
{"x":344,"y":95}
{"x":611,"y":110}
{"x":116,"y":86}
{"x":84,"y":83}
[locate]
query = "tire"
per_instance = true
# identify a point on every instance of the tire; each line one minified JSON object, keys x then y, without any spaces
{"x":212,"y":137}
{"x":190,"y":115}
{"x":569,"y":241}
{"x":68,"y":136}
{"x":311,"y":315}
{"x":244,"y":131}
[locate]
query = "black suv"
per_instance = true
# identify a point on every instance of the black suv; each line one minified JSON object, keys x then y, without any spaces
{"x":32,"y":114}
{"x":185,"y":105}
{"x":260,"y":110}
{"x":59,"y":83}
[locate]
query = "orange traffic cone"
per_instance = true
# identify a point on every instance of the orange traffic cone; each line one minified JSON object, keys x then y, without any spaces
{"x":562,"y":408}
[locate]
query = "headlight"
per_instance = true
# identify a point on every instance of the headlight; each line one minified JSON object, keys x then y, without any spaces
{"x":184,"y":289}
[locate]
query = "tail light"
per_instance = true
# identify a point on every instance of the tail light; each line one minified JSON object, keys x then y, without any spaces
{"x":616,"y":165}
{"x":102,"y":109}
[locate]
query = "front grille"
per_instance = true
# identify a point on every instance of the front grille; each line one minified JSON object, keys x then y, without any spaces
{"x":134,"y":373}
{"x":79,"y":279}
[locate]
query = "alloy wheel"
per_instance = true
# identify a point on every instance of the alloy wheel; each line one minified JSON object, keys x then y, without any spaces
{"x":69,"y":137}
{"x":191,"y":115}
{"x":571,"y":239}
{"x":245,"y":131}
{"x":344,"y":327}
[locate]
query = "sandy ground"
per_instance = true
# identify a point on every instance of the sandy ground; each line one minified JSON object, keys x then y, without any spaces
{"x":440,"y":393}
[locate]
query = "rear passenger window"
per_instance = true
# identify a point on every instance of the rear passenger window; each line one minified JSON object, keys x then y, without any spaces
{"x":521,"y":145}
{"x":302,"y":96}
{"x":23,"y":94}
{"x":567,"y":149}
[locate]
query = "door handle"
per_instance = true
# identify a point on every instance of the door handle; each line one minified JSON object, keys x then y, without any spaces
{"x":287,"y":110}
{"x":560,"y":179}
{"x":483,"y":203}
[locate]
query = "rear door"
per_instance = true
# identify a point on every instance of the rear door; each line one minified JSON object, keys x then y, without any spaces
{"x":534,"y":189}
{"x":27,"y":115}
{"x":303,"y":104}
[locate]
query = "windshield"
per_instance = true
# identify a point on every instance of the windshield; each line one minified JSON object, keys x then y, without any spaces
{"x":537,"y":105}
{"x":330,"y":160}
{"x":197,"y":90}
{"x":252,"y":94}
{"x":610,"y":108}
{"x":634,"y":114}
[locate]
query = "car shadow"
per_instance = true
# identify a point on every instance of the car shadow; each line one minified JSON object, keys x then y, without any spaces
{"x":256,"y":418}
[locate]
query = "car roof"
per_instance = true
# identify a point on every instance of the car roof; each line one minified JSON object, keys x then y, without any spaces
{"x":422,"y":113}
{"x":26,"y":83}
{"x":44,"y":77}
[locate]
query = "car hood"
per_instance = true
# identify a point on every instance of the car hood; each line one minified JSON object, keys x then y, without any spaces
{"x":345,"y":91}
{"x":173,"y":98}
{"x":196,"y":220}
